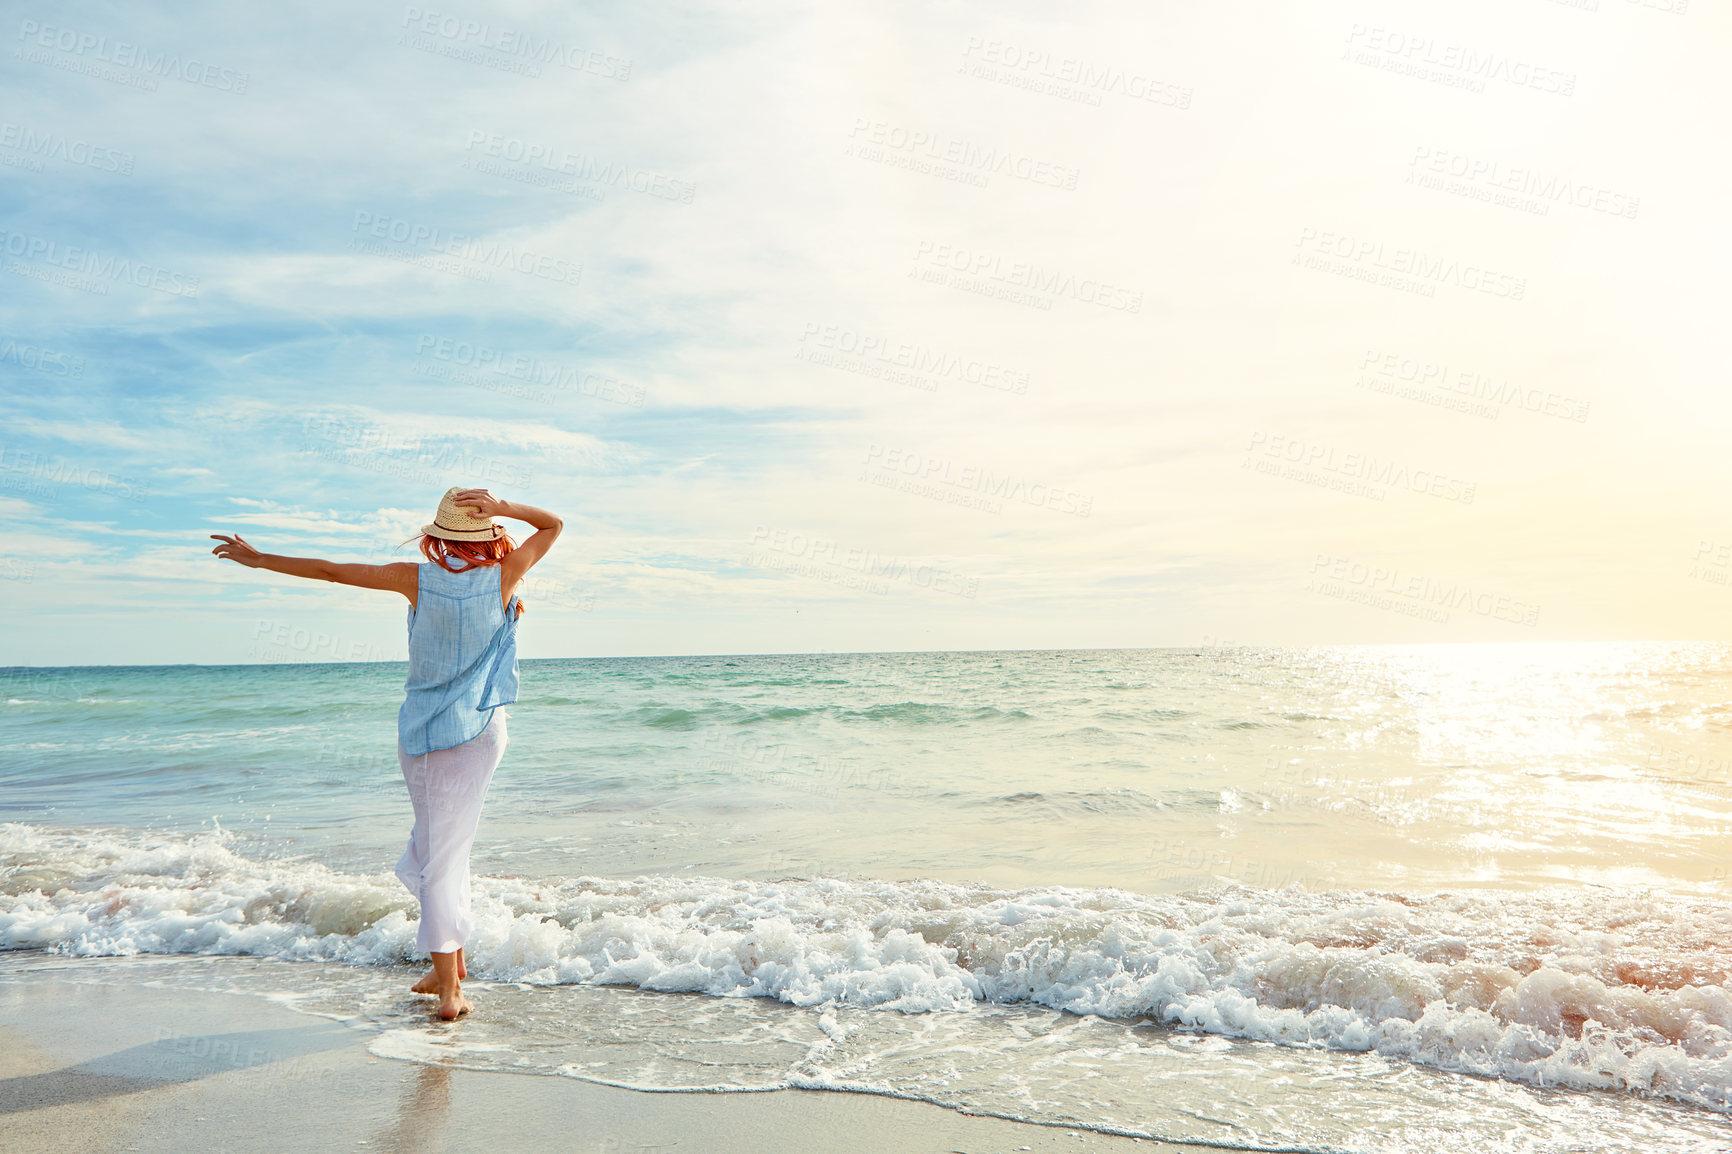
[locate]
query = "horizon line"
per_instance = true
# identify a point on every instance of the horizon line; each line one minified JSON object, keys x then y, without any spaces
{"x":903,"y":653}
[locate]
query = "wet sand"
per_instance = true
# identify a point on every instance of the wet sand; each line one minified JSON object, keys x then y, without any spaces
{"x":131,"y":1068}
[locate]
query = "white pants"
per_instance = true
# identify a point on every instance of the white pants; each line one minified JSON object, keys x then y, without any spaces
{"x":447,"y":788}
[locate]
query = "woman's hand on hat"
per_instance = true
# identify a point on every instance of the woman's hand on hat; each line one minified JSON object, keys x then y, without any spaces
{"x":480,"y":502}
{"x":236,"y":549}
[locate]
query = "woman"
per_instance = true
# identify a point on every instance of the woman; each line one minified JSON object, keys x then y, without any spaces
{"x":463,"y":612}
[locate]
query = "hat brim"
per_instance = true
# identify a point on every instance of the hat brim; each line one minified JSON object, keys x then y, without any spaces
{"x":492,"y":533}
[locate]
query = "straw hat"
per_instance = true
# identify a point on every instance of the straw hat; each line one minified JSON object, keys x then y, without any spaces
{"x":456,"y":523}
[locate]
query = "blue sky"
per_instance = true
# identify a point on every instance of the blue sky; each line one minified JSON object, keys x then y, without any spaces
{"x":890,"y":326}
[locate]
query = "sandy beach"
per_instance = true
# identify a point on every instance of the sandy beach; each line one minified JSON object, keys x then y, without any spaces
{"x":123,"y":1068}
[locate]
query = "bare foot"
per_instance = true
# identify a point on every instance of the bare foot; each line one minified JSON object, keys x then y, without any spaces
{"x":453,"y":1004}
{"x":430,"y":983}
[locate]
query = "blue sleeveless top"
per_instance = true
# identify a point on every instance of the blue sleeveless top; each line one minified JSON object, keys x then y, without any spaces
{"x":462,"y":657}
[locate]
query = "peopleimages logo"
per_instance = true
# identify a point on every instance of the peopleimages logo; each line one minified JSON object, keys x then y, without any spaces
{"x":61,"y":471}
{"x":52,"y":146}
{"x":579,"y":166}
{"x":932,"y":470}
{"x":514,"y":42}
{"x":821,"y":557}
{"x":528,"y":368}
{"x":1434,"y":376}
{"x":470,"y":248}
{"x":43,"y":360}
{"x":1387,"y":587}
{"x":974,"y":266}
{"x":102,"y":266}
{"x":124,"y":55}
{"x":1002,"y":60}
{"x":1309,"y":460}
{"x":927,"y":363}
{"x":1519,"y":180}
{"x":1408,"y":51}
{"x":1373,"y":257}
{"x":882,"y":140}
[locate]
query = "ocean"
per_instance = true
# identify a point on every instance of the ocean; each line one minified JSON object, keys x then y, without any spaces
{"x":1360,"y":898}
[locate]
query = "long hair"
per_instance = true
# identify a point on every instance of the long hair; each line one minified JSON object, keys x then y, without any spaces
{"x":472,"y":553}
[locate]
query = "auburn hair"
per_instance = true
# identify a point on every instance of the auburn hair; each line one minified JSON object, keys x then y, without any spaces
{"x":472,"y":553}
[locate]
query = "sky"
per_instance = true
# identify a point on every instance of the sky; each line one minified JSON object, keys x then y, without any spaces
{"x":869,"y":326}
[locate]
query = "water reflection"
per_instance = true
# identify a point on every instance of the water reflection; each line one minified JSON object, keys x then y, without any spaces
{"x":423,"y":1112}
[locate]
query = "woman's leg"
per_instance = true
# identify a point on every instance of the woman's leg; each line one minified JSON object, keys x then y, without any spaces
{"x":454,"y":784}
{"x":452,"y":1003}
{"x":414,"y":858}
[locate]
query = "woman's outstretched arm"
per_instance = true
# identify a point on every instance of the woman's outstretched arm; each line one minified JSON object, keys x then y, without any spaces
{"x":399,"y":576}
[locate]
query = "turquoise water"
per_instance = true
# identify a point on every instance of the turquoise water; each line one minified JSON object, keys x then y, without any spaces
{"x":1355,"y":866}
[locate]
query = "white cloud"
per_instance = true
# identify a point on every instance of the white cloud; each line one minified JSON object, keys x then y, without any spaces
{"x":795,"y":313}
{"x":103,"y":434}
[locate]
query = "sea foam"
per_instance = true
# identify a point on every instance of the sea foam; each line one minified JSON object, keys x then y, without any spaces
{"x":1564,"y":987}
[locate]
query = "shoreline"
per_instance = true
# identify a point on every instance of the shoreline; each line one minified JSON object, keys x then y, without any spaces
{"x":98,"y":1068}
